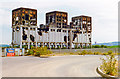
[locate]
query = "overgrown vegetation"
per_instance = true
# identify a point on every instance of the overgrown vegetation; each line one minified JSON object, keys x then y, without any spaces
{"x":84,"y":52}
{"x":119,"y":68}
{"x":104,"y":46}
{"x":110,"y":64}
{"x":39,"y":51}
{"x":99,"y":46}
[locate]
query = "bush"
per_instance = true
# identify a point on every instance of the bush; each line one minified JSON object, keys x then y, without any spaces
{"x":104,"y":53}
{"x":30,"y":52}
{"x":84,"y":52}
{"x":79,"y":47}
{"x":24,"y":46}
{"x":71,"y":53}
{"x":75,"y":46}
{"x":97,"y":53}
{"x":109,"y":65}
{"x":84,"y":47}
{"x":104,"y":46}
{"x":90,"y":53}
{"x":65,"y":53}
{"x":79,"y":53}
{"x":96,"y":46}
{"x":39,"y":51}
{"x":110,"y":52}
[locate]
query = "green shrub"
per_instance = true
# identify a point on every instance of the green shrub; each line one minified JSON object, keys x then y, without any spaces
{"x":104,"y":53}
{"x":99,"y":46}
{"x":71,"y":53}
{"x":96,"y":46}
{"x":104,"y":46}
{"x":24,"y":46}
{"x":110,"y":52}
{"x":30,"y":52}
{"x":75,"y":46}
{"x":39,"y":51}
{"x":84,"y":47}
{"x":78,"y":47}
{"x":90,"y":53}
{"x":84,"y":52}
{"x":97,"y":53}
{"x":65,"y":53}
{"x":79,"y":53}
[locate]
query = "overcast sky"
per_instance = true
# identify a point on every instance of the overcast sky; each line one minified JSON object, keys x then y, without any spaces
{"x":104,"y":15}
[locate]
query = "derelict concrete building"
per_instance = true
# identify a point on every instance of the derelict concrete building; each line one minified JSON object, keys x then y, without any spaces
{"x":83,"y":33}
{"x":56,"y":33}
{"x":24,"y":26}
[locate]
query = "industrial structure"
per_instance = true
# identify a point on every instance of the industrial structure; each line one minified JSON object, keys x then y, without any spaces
{"x":56,"y":33}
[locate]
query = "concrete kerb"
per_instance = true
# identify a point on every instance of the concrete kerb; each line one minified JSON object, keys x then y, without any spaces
{"x":105,"y":75}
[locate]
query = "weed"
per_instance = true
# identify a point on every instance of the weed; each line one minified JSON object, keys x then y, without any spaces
{"x":109,"y":65}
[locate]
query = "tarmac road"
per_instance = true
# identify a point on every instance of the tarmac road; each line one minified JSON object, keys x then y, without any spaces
{"x":56,"y":66}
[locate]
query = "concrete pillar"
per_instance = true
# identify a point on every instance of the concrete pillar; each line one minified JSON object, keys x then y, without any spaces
{"x":28,"y":37}
{"x":67,"y":39}
{"x":49,"y":38}
{"x":77,"y":45}
{"x":55,"y":45}
{"x":81,"y":45}
{"x":43,"y":44}
{"x":20,"y":37}
{"x":13,"y":37}
{"x":85,"y":45}
{"x":36,"y":37}
{"x":49,"y":44}
{"x":36,"y":44}
{"x":61,"y":45}
{"x":71,"y":39}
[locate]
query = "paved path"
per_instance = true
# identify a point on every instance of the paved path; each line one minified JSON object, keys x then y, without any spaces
{"x":58,"y":66}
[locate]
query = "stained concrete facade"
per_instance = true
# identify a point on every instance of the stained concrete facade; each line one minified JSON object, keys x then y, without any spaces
{"x":55,"y":34}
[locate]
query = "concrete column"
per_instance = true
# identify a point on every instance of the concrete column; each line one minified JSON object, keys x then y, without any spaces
{"x":77,"y":45}
{"x":91,"y":39}
{"x":86,"y":37}
{"x":81,"y":45}
{"x":85,"y":44}
{"x":67,"y":39}
{"x":28,"y":37}
{"x":82,"y":36}
{"x":49,"y":38}
{"x":43,"y":44}
{"x":13,"y":37}
{"x":71,"y":39}
{"x":55,"y":45}
{"x":49,"y":45}
{"x":61,"y":45}
{"x":20,"y":37}
{"x":36,"y":37}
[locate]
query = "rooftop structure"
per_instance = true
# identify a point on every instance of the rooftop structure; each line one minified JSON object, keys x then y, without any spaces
{"x":24,"y":16}
{"x":60,"y":19}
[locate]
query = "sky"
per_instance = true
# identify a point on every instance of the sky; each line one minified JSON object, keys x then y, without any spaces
{"x":104,"y":15}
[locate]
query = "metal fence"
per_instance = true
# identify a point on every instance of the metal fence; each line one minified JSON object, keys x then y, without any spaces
{"x":102,"y":50}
